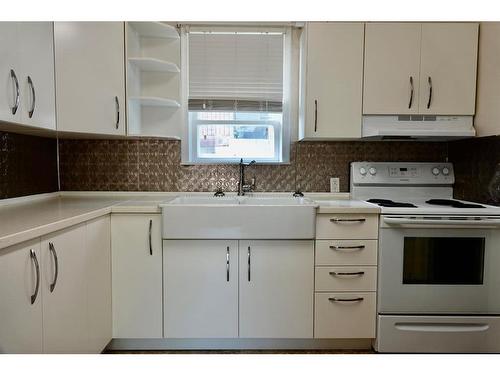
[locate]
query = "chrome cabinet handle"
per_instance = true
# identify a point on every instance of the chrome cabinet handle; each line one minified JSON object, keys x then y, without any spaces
{"x":315,"y":116}
{"x":56,"y":261}
{"x":150,"y":242}
{"x":411,"y":92}
{"x":335,"y":299}
{"x":227,"y":264}
{"x":359,"y":273}
{"x":37,"y":268}
{"x":429,"y":81}
{"x":33,"y":98}
{"x":345,"y":248}
{"x":117,"y":106}
{"x":16,"y":83}
{"x":249,"y":262}
{"x":337,"y":220}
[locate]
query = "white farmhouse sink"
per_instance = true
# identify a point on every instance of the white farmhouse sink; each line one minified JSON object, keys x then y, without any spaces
{"x":239,"y":218}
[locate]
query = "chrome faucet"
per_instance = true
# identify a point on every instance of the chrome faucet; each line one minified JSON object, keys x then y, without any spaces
{"x":242,"y":187}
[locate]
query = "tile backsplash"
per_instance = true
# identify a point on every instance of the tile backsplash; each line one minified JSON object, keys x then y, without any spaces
{"x":28,"y":165}
{"x":475,"y":161}
{"x":155,"y":165}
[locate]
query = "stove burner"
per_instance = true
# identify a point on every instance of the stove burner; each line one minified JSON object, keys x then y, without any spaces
{"x":453,"y":203}
{"x":389,"y":203}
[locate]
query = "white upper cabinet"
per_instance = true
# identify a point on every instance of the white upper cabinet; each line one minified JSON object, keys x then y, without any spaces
{"x":448,"y":68}
{"x":487,"y":119}
{"x":392,"y":68}
{"x":90,"y":77}
{"x":420,"y":68}
{"x":20,"y":299}
{"x":36,"y":56}
{"x":27,"y":96}
{"x":331,"y":81}
{"x":276,"y":289}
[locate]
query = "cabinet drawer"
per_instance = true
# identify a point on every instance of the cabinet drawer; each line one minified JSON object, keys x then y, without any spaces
{"x":346,"y":279}
{"x":344,"y":319}
{"x":346,"y":252}
{"x":346,"y":226}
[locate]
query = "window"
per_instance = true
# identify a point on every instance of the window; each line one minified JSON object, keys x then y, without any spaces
{"x":237,"y":105}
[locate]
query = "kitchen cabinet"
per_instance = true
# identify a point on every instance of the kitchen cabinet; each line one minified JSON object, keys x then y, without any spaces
{"x":98,"y":255}
{"x":331,"y":80}
{"x":21,"y":302}
{"x":137,"y":276}
{"x":90,"y":77}
{"x":345,"y":276}
{"x":27,"y":69}
{"x":487,"y":119}
{"x":56,"y":292}
{"x":420,"y":68}
{"x":201,"y":288}
{"x":276,"y":289}
{"x":64,"y":291}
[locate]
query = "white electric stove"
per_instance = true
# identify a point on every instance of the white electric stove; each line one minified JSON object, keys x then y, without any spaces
{"x":438,"y":260}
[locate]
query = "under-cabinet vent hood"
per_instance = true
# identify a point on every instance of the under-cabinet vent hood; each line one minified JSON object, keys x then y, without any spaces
{"x":417,"y":127}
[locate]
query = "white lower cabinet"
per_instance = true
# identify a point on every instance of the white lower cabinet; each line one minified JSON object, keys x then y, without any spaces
{"x":64,"y":291}
{"x":200,"y":288}
{"x":70,"y":310}
{"x":345,"y":315}
{"x":20,"y":301}
{"x":98,"y":245}
{"x":137,"y":275}
{"x":268,"y":293}
{"x":276,"y":289}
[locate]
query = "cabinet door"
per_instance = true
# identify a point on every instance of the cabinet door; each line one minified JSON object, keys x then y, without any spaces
{"x":333,"y":74}
{"x":487,"y":119}
{"x":20,"y":315}
{"x":90,"y":77}
{"x":9,"y":61}
{"x":392,"y":66}
{"x":64,"y":296}
{"x":201,"y":288}
{"x":36,"y":59}
{"x":98,"y":251}
{"x":137,"y":276}
{"x":448,"y":68}
{"x":276,"y":289}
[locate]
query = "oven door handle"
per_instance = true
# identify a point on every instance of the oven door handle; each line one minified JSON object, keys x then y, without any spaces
{"x":406,"y":221}
{"x":442,"y":327}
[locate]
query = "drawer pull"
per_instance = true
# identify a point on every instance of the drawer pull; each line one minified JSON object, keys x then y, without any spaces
{"x":337,"y":220}
{"x":335,"y":299}
{"x":347,"y":248}
{"x":358,"y":273}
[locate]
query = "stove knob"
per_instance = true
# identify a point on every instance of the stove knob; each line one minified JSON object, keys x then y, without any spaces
{"x":362,"y":171}
{"x":445,"y":171}
{"x":373,"y":171}
{"x":435,"y":171}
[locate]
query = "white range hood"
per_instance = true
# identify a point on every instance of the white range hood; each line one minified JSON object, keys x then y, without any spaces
{"x":417,"y":127}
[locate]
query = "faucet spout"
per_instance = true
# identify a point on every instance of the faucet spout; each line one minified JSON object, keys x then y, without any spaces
{"x":242,"y":187}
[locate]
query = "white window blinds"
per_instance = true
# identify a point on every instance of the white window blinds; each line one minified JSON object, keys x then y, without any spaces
{"x":243,"y":70}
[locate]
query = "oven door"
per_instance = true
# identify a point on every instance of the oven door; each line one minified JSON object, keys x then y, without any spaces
{"x":439,"y":266}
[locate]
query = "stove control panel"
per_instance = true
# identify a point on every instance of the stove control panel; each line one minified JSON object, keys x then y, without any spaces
{"x":401,"y":173}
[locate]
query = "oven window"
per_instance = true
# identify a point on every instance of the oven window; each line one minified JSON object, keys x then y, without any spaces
{"x":443,"y":260}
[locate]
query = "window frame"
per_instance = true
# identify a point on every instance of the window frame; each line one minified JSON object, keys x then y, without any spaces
{"x":189,"y":144}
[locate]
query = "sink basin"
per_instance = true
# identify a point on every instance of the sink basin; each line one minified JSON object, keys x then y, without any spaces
{"x":247,"y":217}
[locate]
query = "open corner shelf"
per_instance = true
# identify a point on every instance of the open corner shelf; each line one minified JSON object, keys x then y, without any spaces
{"x":150,"y":64}
{"x":153,"y":101}
{"x":155,"y":30}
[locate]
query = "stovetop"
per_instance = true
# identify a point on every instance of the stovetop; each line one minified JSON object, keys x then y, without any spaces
{"x":433,"y":206}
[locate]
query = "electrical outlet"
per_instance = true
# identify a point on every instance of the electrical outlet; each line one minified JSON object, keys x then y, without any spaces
{"x":334,"y":184}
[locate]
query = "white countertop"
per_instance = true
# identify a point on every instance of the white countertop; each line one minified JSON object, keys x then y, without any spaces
{"x":22,"y":219}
